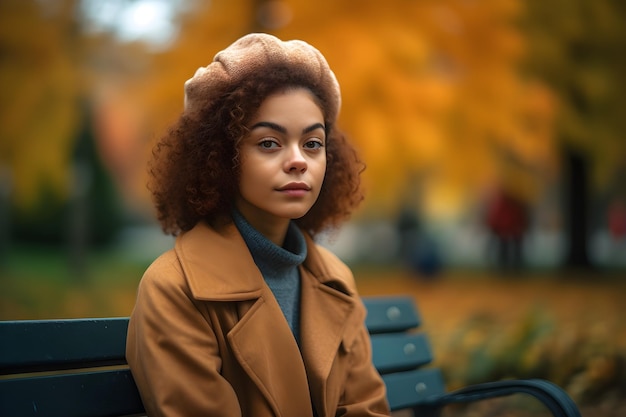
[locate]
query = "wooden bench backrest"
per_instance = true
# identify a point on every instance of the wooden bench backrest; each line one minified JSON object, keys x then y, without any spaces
{"x":77,"y":367}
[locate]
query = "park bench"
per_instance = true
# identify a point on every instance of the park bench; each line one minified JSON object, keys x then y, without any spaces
{"x":76,"y":367}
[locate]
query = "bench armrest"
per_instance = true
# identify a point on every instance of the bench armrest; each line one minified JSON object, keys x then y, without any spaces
{"x":551,"y":395}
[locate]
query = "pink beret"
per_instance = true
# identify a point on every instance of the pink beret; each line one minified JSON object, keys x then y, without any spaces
{"x":254,"y":54}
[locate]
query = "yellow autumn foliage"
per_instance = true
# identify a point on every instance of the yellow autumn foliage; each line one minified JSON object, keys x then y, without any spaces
{"x":432,"y":90}
{"x":40,"y":88}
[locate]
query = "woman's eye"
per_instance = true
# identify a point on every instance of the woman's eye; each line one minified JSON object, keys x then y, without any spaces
{"x":313,"y":144}
{"x":268,"y":144}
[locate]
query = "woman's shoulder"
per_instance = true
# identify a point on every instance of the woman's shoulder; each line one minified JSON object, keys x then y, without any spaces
{"x":329,"y":268}
{"x":333,"y":261}
{"x":165,"y":270}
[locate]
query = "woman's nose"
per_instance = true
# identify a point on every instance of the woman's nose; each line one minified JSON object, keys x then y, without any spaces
{"x":295,"y":160}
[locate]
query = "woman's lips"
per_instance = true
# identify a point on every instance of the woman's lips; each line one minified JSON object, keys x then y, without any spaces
{"x":295,"y":189}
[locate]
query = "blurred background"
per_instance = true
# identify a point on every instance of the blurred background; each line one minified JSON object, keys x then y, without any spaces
{"x":492,"y":132}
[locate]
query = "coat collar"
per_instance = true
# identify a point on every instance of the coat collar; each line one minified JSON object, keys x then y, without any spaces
{"x":222,"y":254}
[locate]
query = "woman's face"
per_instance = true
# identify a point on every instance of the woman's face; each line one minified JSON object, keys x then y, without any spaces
{"x":283,"y":159}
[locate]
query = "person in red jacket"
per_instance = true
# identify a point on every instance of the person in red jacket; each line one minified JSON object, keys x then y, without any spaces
{"x":507,"y":220}
{"x":617,"y":219}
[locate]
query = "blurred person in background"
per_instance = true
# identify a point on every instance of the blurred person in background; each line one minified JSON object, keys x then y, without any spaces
{"x":246,"y":315}
{"x":617,"y":219}
{"x":418,"y":251}
{"x":507,"y":221}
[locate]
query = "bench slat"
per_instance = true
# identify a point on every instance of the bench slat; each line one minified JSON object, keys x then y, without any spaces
{"x":390,"y":314}
{"x":96,"y":394}
{"x":39,"y":345}
{"x":398,"y":352}
{"x":407,"y":389}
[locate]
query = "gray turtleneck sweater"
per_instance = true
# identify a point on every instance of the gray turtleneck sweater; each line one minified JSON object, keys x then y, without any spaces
{"x":279,"y":266}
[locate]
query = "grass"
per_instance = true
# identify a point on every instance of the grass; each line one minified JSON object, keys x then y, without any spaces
{"x":43,"y":283}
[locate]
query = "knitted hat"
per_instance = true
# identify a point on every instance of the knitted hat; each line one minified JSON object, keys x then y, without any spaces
{"x":255,"y":53}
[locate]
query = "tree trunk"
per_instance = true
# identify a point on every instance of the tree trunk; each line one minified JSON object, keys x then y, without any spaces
{"x":576,"y":208}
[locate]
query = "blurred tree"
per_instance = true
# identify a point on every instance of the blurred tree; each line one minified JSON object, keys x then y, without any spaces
{"x":40,"y":82}
{"x":431,"y":89}
{"x":45,"y":84}
{"x":577,"y":47}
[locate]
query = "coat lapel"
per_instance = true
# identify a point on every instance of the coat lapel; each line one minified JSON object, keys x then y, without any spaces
{"x":266,"y":349}
{"x":328,"y":324}
{"x":219,"y":267}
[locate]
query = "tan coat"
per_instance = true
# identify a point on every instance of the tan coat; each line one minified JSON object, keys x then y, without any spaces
{"x":207,"y":337}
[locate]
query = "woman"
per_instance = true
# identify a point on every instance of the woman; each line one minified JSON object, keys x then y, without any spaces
{"x":247,"y":316}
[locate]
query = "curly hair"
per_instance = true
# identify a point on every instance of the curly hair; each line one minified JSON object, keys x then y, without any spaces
{"x":194,"y":170}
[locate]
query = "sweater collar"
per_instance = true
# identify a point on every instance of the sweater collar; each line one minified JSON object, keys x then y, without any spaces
{"x":266,"y":254}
